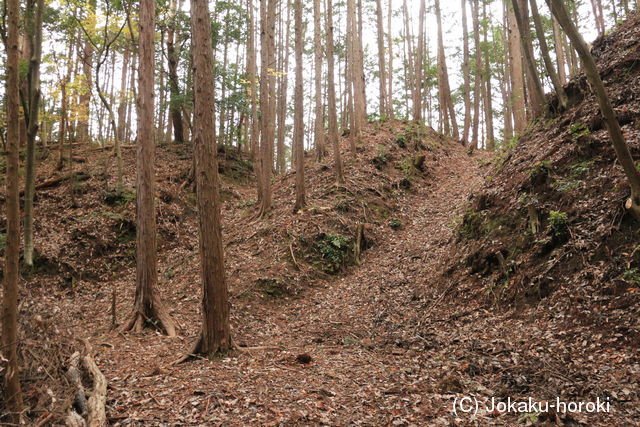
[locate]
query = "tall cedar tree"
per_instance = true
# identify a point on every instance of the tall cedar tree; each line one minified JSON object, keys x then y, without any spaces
{"x":12,"y":392}
{"x":331,"y":97}
{"x":318,"y":133}
{"x":267,"y":101}
{"x":517,"y":73}
{"x":298,"y":118}
{"x":148,"y":309}
{"x":33,"y":29}
{"x":536,"y":92}
{"x":215,"y":336}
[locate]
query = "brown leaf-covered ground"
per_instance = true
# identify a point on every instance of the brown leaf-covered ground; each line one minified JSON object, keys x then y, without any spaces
{"x":454,"y":296}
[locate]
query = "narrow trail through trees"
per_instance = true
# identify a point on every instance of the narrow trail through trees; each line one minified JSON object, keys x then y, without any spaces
{"x":347,"y":350}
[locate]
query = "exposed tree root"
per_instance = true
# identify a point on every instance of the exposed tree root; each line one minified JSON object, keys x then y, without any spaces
{"x":198,"y":352}
{"x":153,"y":315}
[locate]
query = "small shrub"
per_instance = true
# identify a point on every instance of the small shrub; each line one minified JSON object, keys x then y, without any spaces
{"x":558,"y":223}
{"x":395,"y":223}
{"x":335,"y":250}
{"x":273,"y":288}
{"x":539,"y":173}
{"x":471,"y":227}
{"x":579,"y":130}
{"x":118,"y":198}
{"x":380,"y":160}
{"x":632,"y":276}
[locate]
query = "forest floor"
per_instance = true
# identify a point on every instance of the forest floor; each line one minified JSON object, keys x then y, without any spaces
{"x":340,"y":354}
{"x":379,"y":343}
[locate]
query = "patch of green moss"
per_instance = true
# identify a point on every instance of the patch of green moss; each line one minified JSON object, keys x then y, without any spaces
{"x":273,"y":288}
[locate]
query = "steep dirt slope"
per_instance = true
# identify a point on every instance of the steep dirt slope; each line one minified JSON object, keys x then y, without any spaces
{"x":547,"y":243}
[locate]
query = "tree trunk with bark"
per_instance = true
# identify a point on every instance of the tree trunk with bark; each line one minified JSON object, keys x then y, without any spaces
{"x":536,"y":92}
{"x":148,"y":310}
{"x":215,"y":336}
{"x":517,"y":73}
{"x":318,"y":133}
{"x":465,"y":76}
{"x":544,"y":50}
{"x":12,"y":392}
{"x":298,"y":126}
{"x":331,"y":97}
{"x":267,"y":101}
{"x":382,"y":78}
{"x":175,"y":110}
{"x":33,"y":29}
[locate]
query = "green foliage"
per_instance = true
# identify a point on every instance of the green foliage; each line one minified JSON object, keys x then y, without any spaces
{"x":406,"y":166}
{"x":578,"y":130}
{"x":273,"y":288}
{"x":3,"y":241}
{"x":558,"y":223}
{"x":395,"y":223}
{"x":381,"y":158}
{"x":539,"y":172}
{"x":471,"y":226}
{"x":632,"y":275}
{"x":118,"y":198}
{"x":335,"y":250}
{"x":581,"y":168}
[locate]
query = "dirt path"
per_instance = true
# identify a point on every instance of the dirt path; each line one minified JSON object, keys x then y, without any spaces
{"x":367,"y":362}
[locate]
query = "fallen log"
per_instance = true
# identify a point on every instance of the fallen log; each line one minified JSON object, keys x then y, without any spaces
{"x":85,"y":412}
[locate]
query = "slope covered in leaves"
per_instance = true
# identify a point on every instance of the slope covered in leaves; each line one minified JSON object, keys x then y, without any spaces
{"x":550,"y":222}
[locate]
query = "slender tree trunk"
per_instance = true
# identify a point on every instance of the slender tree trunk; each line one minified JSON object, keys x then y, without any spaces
{"x":252,"y":72}
{"x":419,"y":79}
{"x":488,"y":103}
{"x":465,"y":76}
{"x":505,"y":88}
{"x":517,"y":73}
{"x":282,"y":98}
{"x":445,"y":89}
{"x":33,"y":27}
{"x":381,"y":61}
{"x":544,"y":50}
{"x":559,"y":48}
{"x":148,"y":310}
{"x":87,"y":68}
{"x":267,"y":100}
{"x":331,"y":96}
{"x":318,"y":133}
{"x":477,"y":90}
{"x":536,"y":92}
{"x":12,"y":392}
{"x":357,"y":74}
{"x":215,"y":336}
{"x":298,"y":127}
{"x":122,"y":105}
{"x":390,"y":111}
{"x":175,"y":107}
